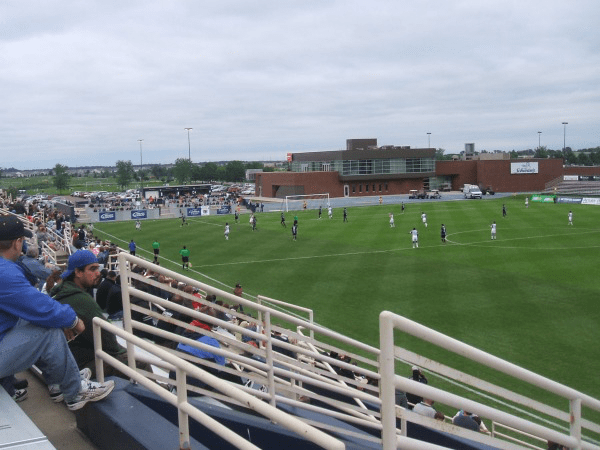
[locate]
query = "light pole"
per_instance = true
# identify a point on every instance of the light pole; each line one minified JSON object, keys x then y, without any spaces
{"x":565,"y":136}
{"x":189,"y":144}
{"x":428,"y":140}
{"x":141,"y":169}
{"x":539,"y":139}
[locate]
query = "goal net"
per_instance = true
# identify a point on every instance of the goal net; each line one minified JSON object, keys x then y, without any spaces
{"x":309,"y":201}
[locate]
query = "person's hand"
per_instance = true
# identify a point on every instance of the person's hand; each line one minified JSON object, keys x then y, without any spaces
{"x":72,"y":333}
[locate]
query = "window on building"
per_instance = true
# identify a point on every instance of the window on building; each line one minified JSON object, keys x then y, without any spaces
{"x":360,"y":188}
{"x":373,"y":188}
{"x":386,"y":187}
{"x":380,"y":188}
{"x":366,"y":188}
{"x":353,"y":188}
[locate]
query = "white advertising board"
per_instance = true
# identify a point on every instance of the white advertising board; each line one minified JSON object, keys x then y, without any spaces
{"x":523,"y":167}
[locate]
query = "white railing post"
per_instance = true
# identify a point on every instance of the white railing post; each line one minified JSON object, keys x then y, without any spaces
{"x":269,"y":359}
{"x":127,"y":309}
{"x":575,"y":426}
{"x":387,"y":392}
{"x":182,"y":416}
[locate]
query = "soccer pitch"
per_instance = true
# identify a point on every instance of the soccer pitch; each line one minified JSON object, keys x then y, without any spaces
{"x":528,"y":297}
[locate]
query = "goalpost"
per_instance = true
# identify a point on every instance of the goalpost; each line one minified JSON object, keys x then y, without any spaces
{"x":308,"y":201}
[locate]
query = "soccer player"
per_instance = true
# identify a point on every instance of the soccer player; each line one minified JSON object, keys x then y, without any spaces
{"x":493,"y":230}
{"x":283,"y":220}
{"x":526,"y":202}
{"x":294,"y":231}
{"x":415,"y":237}
{"x":253,"y":218}
{"x":185,"y":258}
{"x":443,"y":233}
{"x":138,"y":225}
{"x":570,"y":217}
{"x":226,"y":231}
{"x":402,"y":207}
{"x":503,"y":210}
{"x":345,"y":215}
{"x":156,"y":247}
{"x":183,"y":221}
{"x":330,"y":212}
{"x":392,"y":225}
{"x":320,"y":211}
{"x":236,"y":216}
{"x":424,"y":218}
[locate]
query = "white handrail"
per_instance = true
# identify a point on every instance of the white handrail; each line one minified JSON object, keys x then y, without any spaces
{"x":390,"y":321}
{"x":291,"y":423}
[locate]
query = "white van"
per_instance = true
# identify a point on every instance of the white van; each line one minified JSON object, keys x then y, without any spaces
{"x":472,"y":191}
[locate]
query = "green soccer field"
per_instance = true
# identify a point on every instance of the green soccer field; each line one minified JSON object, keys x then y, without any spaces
{"x":528,"y":297}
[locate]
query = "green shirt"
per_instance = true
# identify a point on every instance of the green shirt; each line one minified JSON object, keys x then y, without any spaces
{"x":184,"y":252}
{"x":155,"y":245}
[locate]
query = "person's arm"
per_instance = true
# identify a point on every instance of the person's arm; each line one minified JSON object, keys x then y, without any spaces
{"x":22,"y":300}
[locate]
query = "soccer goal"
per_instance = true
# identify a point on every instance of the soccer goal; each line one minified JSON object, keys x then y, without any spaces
{"x":309,"y":201}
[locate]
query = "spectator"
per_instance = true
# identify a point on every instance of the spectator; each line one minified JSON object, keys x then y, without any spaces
{"x":464,"y":419}
{"x":51,"y":281}
{"x":35,"y":267}
{"x":104,"y":289}
{"x":425,"y":408}
{"x":417,"y":375}
{"x":81,"y":275}
{"x":114,"y":302}
{"x":34,"y":328}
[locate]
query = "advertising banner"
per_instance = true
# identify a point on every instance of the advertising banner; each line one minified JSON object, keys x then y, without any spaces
{"x":590,"y":201}
{"x":575,"y":200}
{"x":523,"y":167}
{"x":543,"y":198}
{"x":193,"y":212}
{"x":106,"y":216}
{"x":139,"y":214}
{"x":224,"y":210}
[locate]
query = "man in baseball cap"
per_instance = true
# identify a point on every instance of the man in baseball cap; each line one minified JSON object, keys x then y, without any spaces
{"x":12,"y":228}
{"x":34,"y":328}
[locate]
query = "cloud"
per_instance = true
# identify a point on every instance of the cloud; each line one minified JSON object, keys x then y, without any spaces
{"x":81,"y":82}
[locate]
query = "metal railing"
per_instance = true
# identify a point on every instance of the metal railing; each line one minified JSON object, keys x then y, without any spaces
{"x":180,"y":401}
{"x":389,"y":381}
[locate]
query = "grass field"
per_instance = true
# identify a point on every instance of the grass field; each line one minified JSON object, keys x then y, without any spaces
{"x":529,"y":297}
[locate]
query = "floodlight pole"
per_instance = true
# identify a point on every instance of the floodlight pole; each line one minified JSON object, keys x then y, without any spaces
{"x":539,"y":139}
{"x":565,"y":136}
{"x":428,"y":140}
{"x":141,"y":169}
{"x":189,"y":144}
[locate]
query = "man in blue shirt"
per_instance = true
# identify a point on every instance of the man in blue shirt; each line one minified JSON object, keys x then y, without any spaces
{"x":34,"y":328}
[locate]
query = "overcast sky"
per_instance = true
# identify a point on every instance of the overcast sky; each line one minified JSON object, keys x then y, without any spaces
{"x":82,"y":81}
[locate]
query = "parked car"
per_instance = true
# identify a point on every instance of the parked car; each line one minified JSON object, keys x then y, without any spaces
{"x":412,"y":193}
{"x":434,"y":193}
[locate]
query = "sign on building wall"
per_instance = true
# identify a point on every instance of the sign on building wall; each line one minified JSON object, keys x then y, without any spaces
{"x":523,"y":167}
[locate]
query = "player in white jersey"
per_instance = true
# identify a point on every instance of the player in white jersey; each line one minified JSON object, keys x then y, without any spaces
{"x":493,"y":230}
{"x":138,"y":225}
{"x":330,"y":212}
{"x":424,"y":219}
{"x":415,"y":237}
{"x":392,"y":225}
{"x":226,"y":231}
{"x":570,"y":217}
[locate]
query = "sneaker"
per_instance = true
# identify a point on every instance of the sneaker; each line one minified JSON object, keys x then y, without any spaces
{"x":21,"y":384}
{"x":91,"y":391}
{"x":20,"y":395}
{"x":56,"y":394}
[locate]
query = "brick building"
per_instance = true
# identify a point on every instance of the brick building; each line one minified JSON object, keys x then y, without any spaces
{"x":364,"y":169}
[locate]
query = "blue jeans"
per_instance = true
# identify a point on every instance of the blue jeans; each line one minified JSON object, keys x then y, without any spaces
{"x":26,"y":344}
